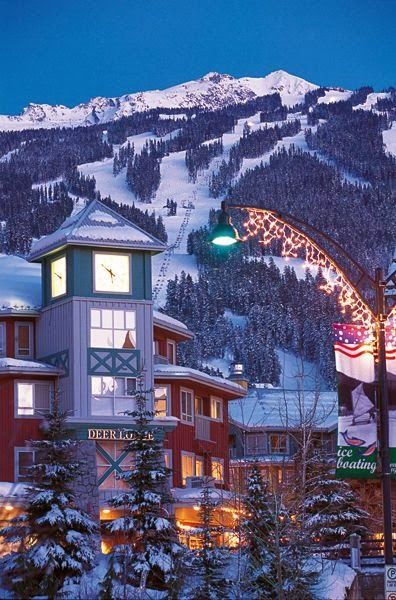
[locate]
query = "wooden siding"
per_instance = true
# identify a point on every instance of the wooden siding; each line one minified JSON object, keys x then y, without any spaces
{"x":14,"y":431}
{"x":54,"y":333}
{"x":183,"y":438}
{"x":11,"y":331}
{"x":66,"y":325}
{"x":80,"y":274}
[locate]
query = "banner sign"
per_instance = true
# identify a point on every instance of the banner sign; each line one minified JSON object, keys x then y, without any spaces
{"x":357,"y":418}
{"x":390,"y":333}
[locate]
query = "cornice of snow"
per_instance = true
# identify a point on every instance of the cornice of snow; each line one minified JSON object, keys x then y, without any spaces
{"x":212,"y":91}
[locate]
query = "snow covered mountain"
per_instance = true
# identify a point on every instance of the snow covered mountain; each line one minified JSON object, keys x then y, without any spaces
{"x":212,"y":91}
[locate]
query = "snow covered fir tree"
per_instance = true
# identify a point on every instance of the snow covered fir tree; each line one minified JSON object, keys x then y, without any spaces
{"x":55,"y":542}
{"x":211,"y":559}
{"x":332,"y":508}
{"x":149,"y":553}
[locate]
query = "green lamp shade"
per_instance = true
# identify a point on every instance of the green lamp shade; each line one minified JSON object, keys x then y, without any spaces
{"x":224,"y":234}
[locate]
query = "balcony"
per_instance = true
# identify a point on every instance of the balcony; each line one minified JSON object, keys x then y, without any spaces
{"x":202,"y":428}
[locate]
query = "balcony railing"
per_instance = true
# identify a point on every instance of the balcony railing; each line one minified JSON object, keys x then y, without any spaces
{"x":202,"y":428}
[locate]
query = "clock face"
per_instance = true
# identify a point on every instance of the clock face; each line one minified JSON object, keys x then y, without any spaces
{"x":58,"y":277}
{"x":112,"y":273}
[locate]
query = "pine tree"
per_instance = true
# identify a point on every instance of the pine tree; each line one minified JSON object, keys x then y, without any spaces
{"x":210,"y":560}
{"x":55,"y":538}
{"x":150,"y":551}
{"x":332,"y":508}
{"x":258,"y":530}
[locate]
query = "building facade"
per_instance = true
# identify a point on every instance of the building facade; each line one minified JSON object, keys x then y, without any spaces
{"x":94,"y":335}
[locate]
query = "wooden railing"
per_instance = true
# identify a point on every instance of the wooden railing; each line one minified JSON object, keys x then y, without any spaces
{"x":202,"y":428}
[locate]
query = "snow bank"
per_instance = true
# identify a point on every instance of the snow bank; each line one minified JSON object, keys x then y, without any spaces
{"x":335,"y":580}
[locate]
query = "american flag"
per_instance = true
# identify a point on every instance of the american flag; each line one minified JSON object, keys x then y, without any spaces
{"x":357,"y":342}
{"x":354,"y":351}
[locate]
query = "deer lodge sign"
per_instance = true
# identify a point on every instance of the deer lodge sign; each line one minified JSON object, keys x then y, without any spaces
{"x":116,"y":434}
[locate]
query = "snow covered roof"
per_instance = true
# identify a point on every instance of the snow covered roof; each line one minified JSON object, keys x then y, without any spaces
{"x":278,"y":409}
{"x":10,"y":490}
{"x":17,"y":365}
{"x":192,"y":495}
{"x":164,"y":371}
{"x":171,"y":324}
{"x":97,"y":225}
{"x":20,"y":285}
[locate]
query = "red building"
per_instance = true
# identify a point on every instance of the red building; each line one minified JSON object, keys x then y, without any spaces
{"x":82,"y":323}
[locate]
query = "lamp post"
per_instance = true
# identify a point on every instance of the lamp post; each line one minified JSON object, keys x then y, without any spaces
{"x":296,"y":236}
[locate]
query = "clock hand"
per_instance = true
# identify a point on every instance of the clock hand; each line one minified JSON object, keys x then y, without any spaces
{"x":112,"y":275}
{"x":60,"y":276}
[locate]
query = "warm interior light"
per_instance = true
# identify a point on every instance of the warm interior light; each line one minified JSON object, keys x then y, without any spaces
{"x":196,"y":507}
{"x":9,"y":507}
{"x":106,"y":511}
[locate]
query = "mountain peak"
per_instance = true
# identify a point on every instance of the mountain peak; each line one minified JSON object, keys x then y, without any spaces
{"x":213,"y":91}
{"x":215,"y":77}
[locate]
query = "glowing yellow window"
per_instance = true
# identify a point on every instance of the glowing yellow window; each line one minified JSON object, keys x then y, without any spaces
{"x":58,"y":277}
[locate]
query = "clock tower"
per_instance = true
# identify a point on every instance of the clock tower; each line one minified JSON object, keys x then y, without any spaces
{"x":96,"y":320}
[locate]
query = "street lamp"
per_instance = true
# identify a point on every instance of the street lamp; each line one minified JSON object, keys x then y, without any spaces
{"x":296,"y":236}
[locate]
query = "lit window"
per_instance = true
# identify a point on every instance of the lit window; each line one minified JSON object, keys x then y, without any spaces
{"x":161,"y":400}
{"x":58,"y":277}
{"x":199,"y":405}
{"x":113,"y":328}
{"x":111,"y":460}
{"x":112,"y":396}
{"x":216,"y":409}
{"x":168,"y":464}
{"x":24,"y":340}
{"x":278,"y":443}
{"x":33,"y":398}
{"x":171,"y":352}
{"x":199,"y":466}
{"x":24,"y":460}
{"x":187,"y":406}
{"x":188,"y":468}
{"x":218,"y":469}
{"x":3,"y":339}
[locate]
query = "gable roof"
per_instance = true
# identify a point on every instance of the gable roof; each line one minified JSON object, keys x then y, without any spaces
{"x":96,"y":225}
{"x":285,"y":409}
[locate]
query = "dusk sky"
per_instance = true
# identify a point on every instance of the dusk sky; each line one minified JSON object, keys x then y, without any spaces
{"x":60,"y":52}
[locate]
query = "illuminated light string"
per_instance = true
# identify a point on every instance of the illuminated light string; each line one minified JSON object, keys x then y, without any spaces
{"x":267,"y":225}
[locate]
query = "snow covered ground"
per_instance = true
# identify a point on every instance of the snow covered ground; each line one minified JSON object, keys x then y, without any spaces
{"x":389,"y":137}
{"x":193,"y":199}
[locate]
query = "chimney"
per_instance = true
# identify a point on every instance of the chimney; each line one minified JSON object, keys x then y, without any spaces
{"x":237,"y":374}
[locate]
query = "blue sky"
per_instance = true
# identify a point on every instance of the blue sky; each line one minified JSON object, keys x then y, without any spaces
{"x":67,"y":51}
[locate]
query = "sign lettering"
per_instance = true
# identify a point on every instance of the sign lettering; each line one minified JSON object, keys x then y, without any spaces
{"x":116,"y":434}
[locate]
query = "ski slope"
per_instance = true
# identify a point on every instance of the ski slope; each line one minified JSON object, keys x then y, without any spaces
{"x":193,"y":200}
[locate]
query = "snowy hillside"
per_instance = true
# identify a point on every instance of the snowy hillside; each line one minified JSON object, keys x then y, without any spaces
{"x":212,"y":91}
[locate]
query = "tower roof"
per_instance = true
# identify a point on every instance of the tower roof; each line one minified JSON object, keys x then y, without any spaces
{"x":100,"y":226}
